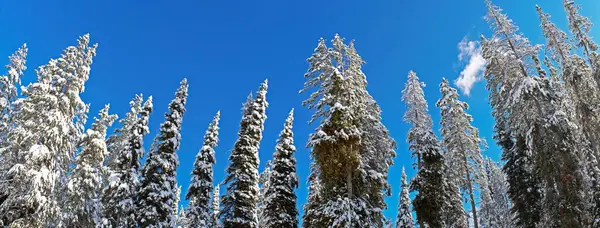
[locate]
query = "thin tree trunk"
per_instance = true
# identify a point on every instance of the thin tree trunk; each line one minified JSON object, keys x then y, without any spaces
{"x":349,"y":178}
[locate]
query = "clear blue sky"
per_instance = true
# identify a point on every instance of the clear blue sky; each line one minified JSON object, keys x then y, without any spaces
{"x":226,"y":48}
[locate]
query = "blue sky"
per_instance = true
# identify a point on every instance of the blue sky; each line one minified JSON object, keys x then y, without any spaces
{"x":226,"y":48}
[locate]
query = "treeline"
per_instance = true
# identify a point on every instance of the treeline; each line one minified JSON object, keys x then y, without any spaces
{"x":545,"y":100}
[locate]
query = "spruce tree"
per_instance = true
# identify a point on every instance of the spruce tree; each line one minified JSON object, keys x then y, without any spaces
{"x":429,"y":181}
{"x":215,"y":209}
{"x":454,"y":215}
{"x":8,"y":95}
{"x":280,"y":198}
{"x":239,"y":202}
{"x":404,"y":218}
{"x":311,"y":212}
{"x":158,"y":188}
{"x":201,"y":186}
{"x":43,"y":155}
{"x":498,"y":204}
{"x":462,"y":143}
{"x":126,"y":149}
{"x":580,"y":28}
{"x":528,"y":102}
{"x":264,"y":183}
{"x":83,"y":205}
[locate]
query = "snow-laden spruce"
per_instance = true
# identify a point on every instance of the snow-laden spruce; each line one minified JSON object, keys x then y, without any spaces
{"x":8,"y":95}
{"x":311,"y":214}
{"x":280,"y":197}
{"x":43,"y":142}
{"x":498,"y":203}
{"x":580,"y":28}
{"x":158,"y":185}
{"x":404,"y":219}
{"x":264,"y":182}
{"x":83,"y":206}
{"x":8,"y":89}
{"x":429,"y":181}
{"x":201,"y":185}
{"x":239,"y":202}
{"x":532,"y":106}
{"x":122,"y":178}
{"x":215,"y":209}
{"x":350,"y":143}
{"x":454,"y":214}
{"x":461,"y":140}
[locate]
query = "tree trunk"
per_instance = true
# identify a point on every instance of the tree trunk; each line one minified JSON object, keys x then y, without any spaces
{"x":473,"y":206}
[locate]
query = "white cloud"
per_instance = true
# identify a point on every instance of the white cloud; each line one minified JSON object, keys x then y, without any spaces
{"x":470,"y":53}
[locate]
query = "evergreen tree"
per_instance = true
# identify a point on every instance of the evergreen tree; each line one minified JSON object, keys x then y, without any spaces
{"x":8,"y":95}
{"x":158,"y":186}
{"x":201,"y":186}
{"x":429,"y":181}
{"x":498,"y":204}
{"x":264,"y":183}
{"x":311,"y":212}
{"x":546,"y":127}
{"x":454,"y":214}
{"x":239,"y":203}
{"x":42,"y":155}
{"x":580,"y":28}
{"x":404,"y":218}
{"x":126,"y":149}
{"x":83,"y":205}
{"x":216,"y":205}
{"x":280,"y":198}
{"x":462,"y":142}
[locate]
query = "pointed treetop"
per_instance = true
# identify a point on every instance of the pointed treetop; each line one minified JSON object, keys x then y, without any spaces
{"x":104,"y":119}
{"x":558,"y":42}
{"x":16,"y":65}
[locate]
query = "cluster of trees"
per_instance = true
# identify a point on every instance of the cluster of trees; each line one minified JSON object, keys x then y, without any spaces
{"x":56,"y":173}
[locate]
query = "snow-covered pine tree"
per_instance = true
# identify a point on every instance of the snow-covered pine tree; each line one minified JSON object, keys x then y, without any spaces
{"x":158,"y":184}
{"x":8,"y":89}
{"x":429,"y":181}
{"x":404,"y":218}
{"x":280,"y":199}
{"x":43,"y":155}
{"x":264,"y":183}
{"x":8,"y":95}
{"x":462,"y":143}
{"x":454,"y":214}
{"x":83,"y":204}
{"x":201,"y":185}
{"x":311,"y":213}
{"x":546,"y":128}
{"x":126,"y":149}
{"x":498,"y":202}
{"x":583,"y":95}
{"x":580,"y":28}
{"x":215,"y":209}
{"x":239,"y":202}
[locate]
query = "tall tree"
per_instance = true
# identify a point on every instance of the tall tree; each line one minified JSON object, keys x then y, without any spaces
{"x":158,"y":188}
{"x":580,"y":28}
{"x":429,"y":181}
{"x":8,"y":95}
{"x":43,"y":154}
{"x":280,"y":198}
{"x":404,"y":218}
{"x":498,"y":203}
{"x":264,"y":183}
{"x":239,"y":203}
{"x":462,"y":142}
{"x":527,"y":101}
{"x":201,"y":186}
{"x":126,"y":149}
{"x":311,"y":212}
{"x":83,"y":206}
{"x":454,"y":214}
{"x":215,"y":209}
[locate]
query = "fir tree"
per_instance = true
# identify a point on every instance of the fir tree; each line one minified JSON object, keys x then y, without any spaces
{"x":126,"y":149}
{"x":498,"y":204}
{"x":404,"y":218}
{"x":429,"y":181}
{"x":462,"y":142}
{"x":239,"y":203}
{"x":280,"y":198}
{"x":201,"y":186}
{"x":215,"y":209}
{"x":42,"y":155}
{"x":85,"y":184}
{"x":158,"y":186}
